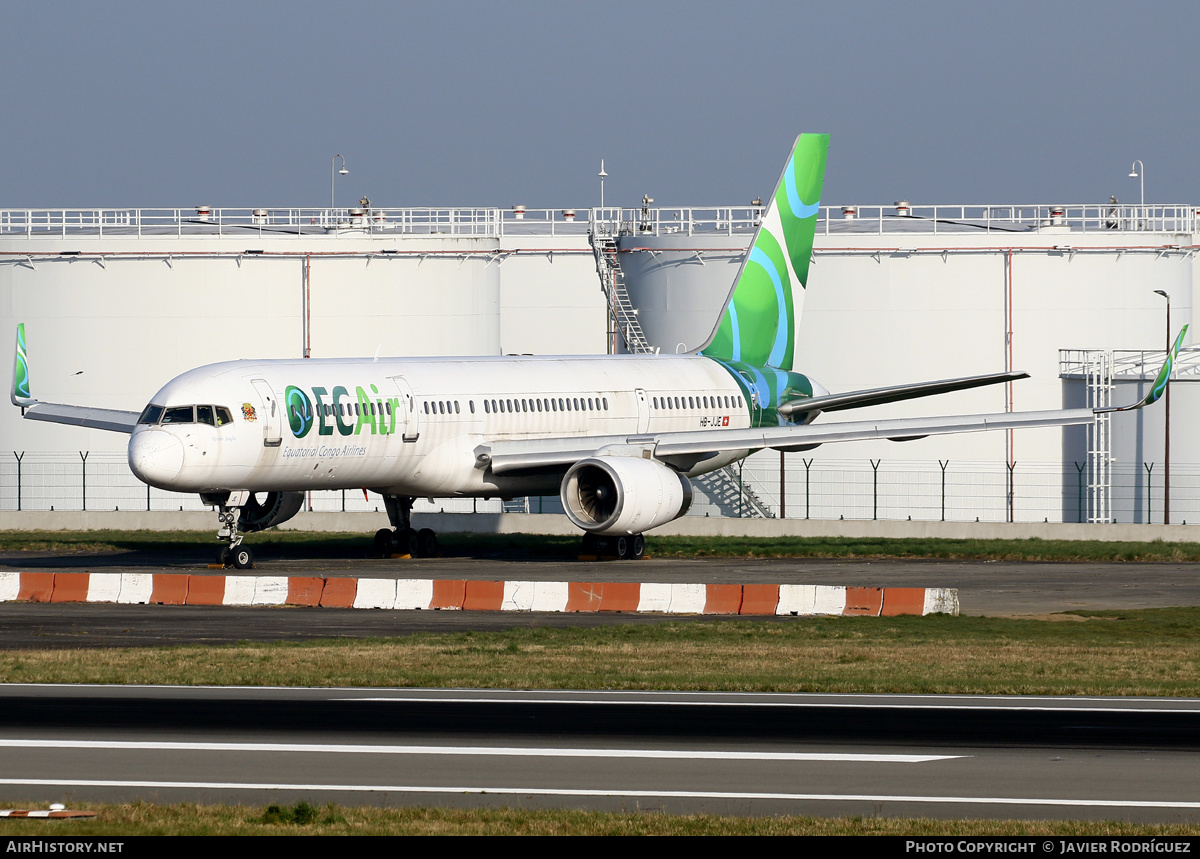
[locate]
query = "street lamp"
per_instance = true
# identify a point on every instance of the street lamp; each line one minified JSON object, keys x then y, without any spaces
{"x":1167,"y":420}
{"x":602,"y":176}
{"x":1137,"y":170}
{"x":333,"y":176}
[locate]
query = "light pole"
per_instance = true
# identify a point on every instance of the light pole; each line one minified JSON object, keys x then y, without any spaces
{"x":333,"y":175}
{"x":602,"y":176}
{"x":1167,"y":420}
{"x":1137,"y":170}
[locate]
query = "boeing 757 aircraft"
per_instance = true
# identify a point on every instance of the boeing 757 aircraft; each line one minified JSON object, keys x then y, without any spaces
{"x":616,"y":436}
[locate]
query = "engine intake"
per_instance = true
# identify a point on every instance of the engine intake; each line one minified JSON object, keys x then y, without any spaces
{"x":623,"y":495}
{"x":265,"y":509}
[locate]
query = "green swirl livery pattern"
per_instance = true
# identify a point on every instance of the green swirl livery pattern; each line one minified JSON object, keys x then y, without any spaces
{"x":756,"y":337}
{"x":299,"y":411}
{"x":20,"y":388}
{"x":759,"y":323}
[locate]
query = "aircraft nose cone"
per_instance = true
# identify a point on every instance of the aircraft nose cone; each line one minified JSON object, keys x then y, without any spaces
{"x":155,"y":457}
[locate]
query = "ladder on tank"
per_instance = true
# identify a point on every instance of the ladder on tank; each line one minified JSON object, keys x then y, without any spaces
{"x":1098,"y":378}
{"x":620,"y":309}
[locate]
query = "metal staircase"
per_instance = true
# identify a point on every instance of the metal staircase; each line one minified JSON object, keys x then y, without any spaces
{"x":621,"y":311}
{"x":732,"y":495}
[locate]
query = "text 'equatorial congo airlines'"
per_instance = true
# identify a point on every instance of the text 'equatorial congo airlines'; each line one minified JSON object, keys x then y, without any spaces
{"x":616,"y":436}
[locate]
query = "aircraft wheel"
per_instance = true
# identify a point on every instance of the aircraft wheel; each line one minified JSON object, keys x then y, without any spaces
{"x":637,"y":549}
{"x":405,"y":542}
{"x":383,"y":541}
{"x":243,"y":558}
{"x":624,"y":545}
{"x":223,"y":556}
{"x":427,"y":544}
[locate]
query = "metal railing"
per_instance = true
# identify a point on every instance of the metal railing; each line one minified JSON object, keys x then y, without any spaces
{"x":195,"y":221}
{"x":906,"y":218}
{"x":198,"y":221}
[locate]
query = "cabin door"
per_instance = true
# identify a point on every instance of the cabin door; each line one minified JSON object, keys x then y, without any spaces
{"x":272,"y":414}
{"x":643,"y":404}
{"x":409,"y":418}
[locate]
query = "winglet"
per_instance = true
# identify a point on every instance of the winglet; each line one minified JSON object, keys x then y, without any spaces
{"x":19,"y":394}
{"x":1160,"y":381}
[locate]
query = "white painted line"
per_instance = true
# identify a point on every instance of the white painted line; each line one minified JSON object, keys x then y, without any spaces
{"x":491,"y":751}
{"x":773,"y":704}
{"x":672,"y":794}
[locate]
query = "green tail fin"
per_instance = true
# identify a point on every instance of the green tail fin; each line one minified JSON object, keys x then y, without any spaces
{"x":19,"y":394}
{"x":758,"y":325}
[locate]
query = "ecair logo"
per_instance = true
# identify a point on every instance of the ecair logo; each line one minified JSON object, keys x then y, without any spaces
{"x":330,"y":410}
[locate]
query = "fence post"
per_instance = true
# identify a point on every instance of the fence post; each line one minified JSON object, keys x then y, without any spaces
{"x":875,"y":487}
{"x":19,"y":457}
{"x":807,"y":465}
{"x":943,"y":465}
{"x":83,"y":455}
{"x":1149,"y":468}
{"x":1011,"y":466}
{"x":782,"y":488}
{"x":1079,"y":471}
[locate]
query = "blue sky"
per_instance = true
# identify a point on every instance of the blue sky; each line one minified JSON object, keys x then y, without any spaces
{"x":471,"y":103}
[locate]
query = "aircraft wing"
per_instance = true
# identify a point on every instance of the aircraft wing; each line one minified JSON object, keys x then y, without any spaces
{"x":879,"y":396}
{"x":684,"y":449}
{"x":81,"y":416}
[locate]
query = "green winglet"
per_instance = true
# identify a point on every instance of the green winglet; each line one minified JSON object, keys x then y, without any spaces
{"x":19,"y":394}
{"x":1160,"y":381}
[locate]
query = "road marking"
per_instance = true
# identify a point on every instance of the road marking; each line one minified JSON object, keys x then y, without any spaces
{"x":661,"y":794}
{"x":493,"y":751}
{"x":617,"y":702}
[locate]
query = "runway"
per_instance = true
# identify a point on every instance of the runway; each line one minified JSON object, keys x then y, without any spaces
{"x":952,"y":757}
{"x":674,"y":752}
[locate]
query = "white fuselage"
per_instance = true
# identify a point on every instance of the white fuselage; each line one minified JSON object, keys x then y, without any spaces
{"x":412,"y":426}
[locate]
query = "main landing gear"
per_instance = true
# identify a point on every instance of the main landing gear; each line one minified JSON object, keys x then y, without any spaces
{"x":402,"y":538}
{"x":631,"y":548}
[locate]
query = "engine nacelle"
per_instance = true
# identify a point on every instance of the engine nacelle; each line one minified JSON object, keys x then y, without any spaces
{"x":265,"y":509}
{"x":623,"y":495}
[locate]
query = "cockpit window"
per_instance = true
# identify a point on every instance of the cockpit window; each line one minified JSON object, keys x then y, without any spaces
{"x":204,"y":415}
{"x":151,"y":414}
{"x":224,"y":416}
{"x":179,"y":415}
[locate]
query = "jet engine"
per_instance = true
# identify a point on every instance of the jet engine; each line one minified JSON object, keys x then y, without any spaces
{"x":623,"y":495}
{"x":265,"y":509}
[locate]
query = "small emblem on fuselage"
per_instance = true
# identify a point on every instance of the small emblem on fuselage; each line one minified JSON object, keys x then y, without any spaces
{"x":248,"y":412}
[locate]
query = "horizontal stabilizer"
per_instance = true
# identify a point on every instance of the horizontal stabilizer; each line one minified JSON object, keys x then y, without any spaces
{"x":896,"y":393}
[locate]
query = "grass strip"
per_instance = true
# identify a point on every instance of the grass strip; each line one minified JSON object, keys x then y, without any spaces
{"x":1154,"y":652}
{"x":198,"y":545}
{"x":142,"y":818}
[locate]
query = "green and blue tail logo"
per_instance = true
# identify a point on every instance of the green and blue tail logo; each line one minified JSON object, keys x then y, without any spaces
{"x":758,"y":326}
{"x":20,"y":386}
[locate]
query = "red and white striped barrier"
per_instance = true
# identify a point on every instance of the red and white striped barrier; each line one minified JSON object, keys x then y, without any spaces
{"x":472,"y":595}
